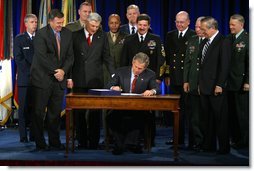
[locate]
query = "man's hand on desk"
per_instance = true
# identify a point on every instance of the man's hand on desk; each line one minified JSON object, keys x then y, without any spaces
{"x":116,"y":88}
{"x":149,"y":93}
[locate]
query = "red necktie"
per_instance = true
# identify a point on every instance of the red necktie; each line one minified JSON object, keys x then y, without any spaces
{"x":58,"y":44}
{"x":133,"y":84}
{"x":89,"y":39}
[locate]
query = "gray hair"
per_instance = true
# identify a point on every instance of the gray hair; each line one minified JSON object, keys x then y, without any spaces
{"x":141,"y":58}
{"x":200,"y":18}
{"x":85,"y":4}
{"x":133,"y":7}
{"x":184,"y":13}
{"x":210,"y":22}
{"x":93,"y":16}
{"x":238,"y":17}
{"x":28,"y":16}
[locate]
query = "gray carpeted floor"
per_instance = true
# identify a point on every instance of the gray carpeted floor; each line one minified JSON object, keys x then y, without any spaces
{"x":11,"y":151}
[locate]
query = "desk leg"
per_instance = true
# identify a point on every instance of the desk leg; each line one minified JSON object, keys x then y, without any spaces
{"x":176,"y":134}
{"x":67,"y":131}
{"x":73,"y":130}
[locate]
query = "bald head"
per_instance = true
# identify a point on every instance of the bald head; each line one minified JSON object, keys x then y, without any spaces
{"x":182,"y":20}
{"x":114,"y":23}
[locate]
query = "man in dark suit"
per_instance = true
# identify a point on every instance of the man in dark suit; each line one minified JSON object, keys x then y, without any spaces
{"x":190,"y":86}
{"x":91,"y":50}
{"x":23,"y":53}
{"x":150,"y":44}
{"x":175,"y":48}
{"x":131,"y":14}
{"x":213,"y":75}
{"x":85,"y":9}
{"x":126,"y":126}
{"x":53,"y":59}
{"x":238,"y":83}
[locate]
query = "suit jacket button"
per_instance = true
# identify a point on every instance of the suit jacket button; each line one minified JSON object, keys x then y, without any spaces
{"x":174,"y":60}
{"x":182,"y":61}
{"x":181,"y":67}
{"x":174,"y":54}
{"x":197,"y":69}
{"x":174,"y":67}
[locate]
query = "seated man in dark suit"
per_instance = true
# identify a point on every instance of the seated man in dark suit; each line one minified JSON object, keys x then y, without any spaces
{"x":126,"y":125}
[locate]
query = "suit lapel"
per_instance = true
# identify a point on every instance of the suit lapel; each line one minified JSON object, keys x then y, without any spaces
{"x":52,"y":38}
{"x":210,"y":48}
{"x":239,"y":38}
{"x":28,"y":39}
{"x":127,"y":80}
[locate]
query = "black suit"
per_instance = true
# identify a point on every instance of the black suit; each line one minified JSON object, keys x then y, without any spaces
{"x":23,"y":53}
{"x":151,"y":46}
{"x":87,"y":73}
{"x":237,"y":98}
{"x":175,"y":49}
{"x":127,"y":125}
{"x":48,"y":92}
{"x":214,"y":72}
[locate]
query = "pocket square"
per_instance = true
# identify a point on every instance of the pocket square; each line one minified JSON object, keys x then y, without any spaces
{"x":26,"y":47}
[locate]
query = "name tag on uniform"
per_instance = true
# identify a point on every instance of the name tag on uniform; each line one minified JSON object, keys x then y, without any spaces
{"x":26,"y":47}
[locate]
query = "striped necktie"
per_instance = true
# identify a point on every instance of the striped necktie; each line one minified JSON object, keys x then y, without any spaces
{"x":205,"y":50}
{"x":57,"y":35}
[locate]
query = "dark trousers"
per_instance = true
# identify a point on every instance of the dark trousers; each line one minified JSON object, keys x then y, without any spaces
{"x":214,"y":110}
{"x":87,"y":125}
{"x":184,"y":108}
{"x":195,"y":121}
{"x":239,"y":117}
{"x":47,"y":107}
{"x":127,"y":126}
{"x":25,"y":110}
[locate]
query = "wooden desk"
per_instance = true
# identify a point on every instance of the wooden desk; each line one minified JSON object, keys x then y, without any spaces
{"x":159,"y":102}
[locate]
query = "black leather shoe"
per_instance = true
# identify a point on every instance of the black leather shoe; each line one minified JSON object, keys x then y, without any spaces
{"x":117,"y":151}
{"x":137,"y":149}
{"x":170,"y":141}
{"x":81,"y":146}
{"x":196,"y":147}
{"x":24,"y":140}
{"x":43,"y":148}
{"x":222,"y":152}
{"x":31,"y":139}
{"x":57,"y":147}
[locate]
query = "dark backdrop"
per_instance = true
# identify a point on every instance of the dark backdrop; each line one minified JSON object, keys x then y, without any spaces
{"x":162,"y":12}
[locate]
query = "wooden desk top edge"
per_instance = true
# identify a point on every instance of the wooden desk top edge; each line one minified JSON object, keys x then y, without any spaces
{"x":168,"y":96}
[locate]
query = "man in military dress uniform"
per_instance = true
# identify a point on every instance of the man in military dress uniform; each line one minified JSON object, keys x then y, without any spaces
{"x":238,"y":83}
{"x":175,"y":48}
{"x":190,"y":86}
{"x":84,"y":10}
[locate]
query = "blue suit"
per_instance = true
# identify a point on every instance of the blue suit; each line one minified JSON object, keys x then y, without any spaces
{"x":23,"y":53}
{"x":125,"y":29}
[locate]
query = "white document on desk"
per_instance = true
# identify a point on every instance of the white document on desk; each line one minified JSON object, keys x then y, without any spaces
{"x":130,"y":94}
